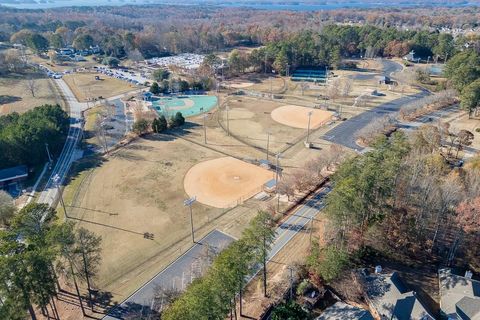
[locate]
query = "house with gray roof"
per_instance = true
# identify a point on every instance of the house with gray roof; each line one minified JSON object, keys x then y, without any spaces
{"x":390,"y":298}
{"x":459,"y":296}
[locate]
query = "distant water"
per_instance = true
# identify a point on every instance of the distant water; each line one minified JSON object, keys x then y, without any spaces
{"x":295,"y":6}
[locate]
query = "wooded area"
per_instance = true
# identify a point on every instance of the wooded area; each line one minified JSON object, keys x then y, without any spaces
{"x":23,"y":136}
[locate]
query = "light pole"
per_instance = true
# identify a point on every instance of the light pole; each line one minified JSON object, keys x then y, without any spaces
{"x":271,"y":85}
{"x":277,"y":169}
{"x":308,"y":126}
{"x":268,"y":143}
{"x":189,"y":203}
{"x":205,"y":128}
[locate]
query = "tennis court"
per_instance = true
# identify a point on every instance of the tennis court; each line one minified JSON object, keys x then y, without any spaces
{"x":189,"y":105}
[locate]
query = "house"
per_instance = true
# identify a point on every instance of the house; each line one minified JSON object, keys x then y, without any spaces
{"x":390,"y":299}
{"x":342,"y":311}
{"x":66,"y":51}
{"x":13,"y":175}
{"x":459,"y":295}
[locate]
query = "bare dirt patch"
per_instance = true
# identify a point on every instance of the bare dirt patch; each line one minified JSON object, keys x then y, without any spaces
{"x":85,"y":87}
{"x":297,"y":116}
{"x":222,"y":182}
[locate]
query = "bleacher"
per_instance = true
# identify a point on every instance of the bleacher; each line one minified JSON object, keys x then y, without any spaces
{"x":309,"y":75}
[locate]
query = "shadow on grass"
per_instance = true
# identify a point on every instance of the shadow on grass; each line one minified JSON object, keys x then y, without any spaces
{"x":4,"y":99}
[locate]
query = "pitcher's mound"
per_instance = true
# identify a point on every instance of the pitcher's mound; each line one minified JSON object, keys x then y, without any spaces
{"x":225,"y":182}
{"x":297,"y":117}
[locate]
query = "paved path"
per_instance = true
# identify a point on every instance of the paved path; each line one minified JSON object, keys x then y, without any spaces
{"x":177,"y":275}
{"x":345,"y":133}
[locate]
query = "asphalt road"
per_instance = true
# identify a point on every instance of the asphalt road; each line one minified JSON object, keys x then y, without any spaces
{"x":177,"y":275}
{"x":345,"y":133}
{"x":57,"y":176}
{"x":296,"y":223}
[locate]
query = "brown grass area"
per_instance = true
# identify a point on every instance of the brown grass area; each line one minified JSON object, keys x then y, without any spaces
{"x":138,"y":190}
{"x":15,"y":97}
{"x":221,"y":182}
{"x":84,"y":86}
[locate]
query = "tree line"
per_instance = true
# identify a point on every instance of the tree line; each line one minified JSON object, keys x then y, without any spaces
{"x":38,"y":254}
{"x":23,"y":137}
{"x":128,"y":36}
{"x":402,"y":200}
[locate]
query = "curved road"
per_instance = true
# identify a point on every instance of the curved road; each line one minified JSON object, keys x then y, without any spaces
{"x":345,"y":133}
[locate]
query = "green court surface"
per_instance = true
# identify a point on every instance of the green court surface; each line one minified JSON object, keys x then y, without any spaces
{"x":189,"y":106}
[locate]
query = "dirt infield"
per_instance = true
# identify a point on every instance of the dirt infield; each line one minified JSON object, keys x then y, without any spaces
{"x":221,"y":182}
{"x":297,"y":117}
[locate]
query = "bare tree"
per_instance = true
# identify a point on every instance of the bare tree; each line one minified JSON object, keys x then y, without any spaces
{"x":346,"y":88}
{"x":31,"y":85}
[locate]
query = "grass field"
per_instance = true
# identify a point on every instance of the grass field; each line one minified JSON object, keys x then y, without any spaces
{"x":15,"y":97}
{"x":84,"y":86}
{"x":138,"y":190}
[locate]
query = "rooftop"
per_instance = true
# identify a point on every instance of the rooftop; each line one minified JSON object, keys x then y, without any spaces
{"x":459,"y":295}
{"x":13,"y":173}
{"x":392,"y":300}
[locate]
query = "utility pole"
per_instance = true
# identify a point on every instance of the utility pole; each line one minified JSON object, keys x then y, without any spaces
{"x":189,"y":203}
{"x":268,"y":143}
{"x":308,"y":127}
{"x":56,"y":181}
{"x":48,"y":153}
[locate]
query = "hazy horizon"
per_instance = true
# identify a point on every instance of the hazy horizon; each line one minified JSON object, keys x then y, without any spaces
{"x":299,"y":5}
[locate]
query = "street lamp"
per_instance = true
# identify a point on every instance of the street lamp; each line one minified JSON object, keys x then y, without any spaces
{"x":308,"y":126}
{"x":189,"y":203}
